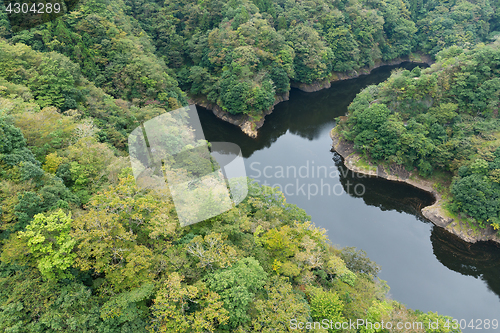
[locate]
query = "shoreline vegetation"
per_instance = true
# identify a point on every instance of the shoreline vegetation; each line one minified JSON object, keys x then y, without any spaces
{"x":442,"y":123}
{"x":251,"y":124}
{"x":435,"y":213}
{"x":84,"y":249}
{"x":247,"y":123}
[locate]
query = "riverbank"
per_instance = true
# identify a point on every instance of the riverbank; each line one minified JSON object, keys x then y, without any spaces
{"x":250,"y":124}
{"x":436,"y":213}
{"x":340,"y":76}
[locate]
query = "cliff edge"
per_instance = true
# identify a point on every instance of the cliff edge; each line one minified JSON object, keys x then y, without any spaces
{"x":435,"y":213}
{"x":248,"y":124}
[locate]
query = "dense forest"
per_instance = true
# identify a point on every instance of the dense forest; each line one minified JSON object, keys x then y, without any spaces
{"x":240,"y":54}
{"x":443,"y":122}
{"x":83,"y":249}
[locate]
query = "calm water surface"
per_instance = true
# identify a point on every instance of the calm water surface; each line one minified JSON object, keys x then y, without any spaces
{"x":426,"y":267}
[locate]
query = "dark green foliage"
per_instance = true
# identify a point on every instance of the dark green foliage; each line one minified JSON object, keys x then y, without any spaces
{"x":313,"y":60}
{"x":442,"y":118}
{"x":55,"y":81}
{"x":455,"y":23}
{"x":33,"y":305}
{"x":15,"y":158}
{"x":29,"y":205}
{"x":477,"y":196}
{"x":78,"y":85}
{"x":358,"y":262}
{"x":239,"y":54}
{"x":280,"y":79}
{"x":225,"y":50}
{"x":109,"y":53}
{"x":237,"y":286}
{"x":11,"y":138}
{"x":195,"y":161}
{"x":476,"y":190}
{"x":420,"y":126}
{"x":50,"y":197}
{"x":18,"y":163}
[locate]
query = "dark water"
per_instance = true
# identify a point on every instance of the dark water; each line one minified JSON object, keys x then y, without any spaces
{"x":426,"y":267}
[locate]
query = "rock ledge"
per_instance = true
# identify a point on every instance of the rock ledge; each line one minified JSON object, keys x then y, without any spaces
{"x":249,"y":125}
{"x":435,"y":212}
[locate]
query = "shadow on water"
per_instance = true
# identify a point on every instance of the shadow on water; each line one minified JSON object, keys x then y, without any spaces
{"x":305,"y":114}
{"x":481,"y":260}
{"x":384,"y":194}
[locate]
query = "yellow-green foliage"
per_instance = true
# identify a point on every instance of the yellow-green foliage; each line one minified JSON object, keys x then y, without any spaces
{"x":48,"y":238}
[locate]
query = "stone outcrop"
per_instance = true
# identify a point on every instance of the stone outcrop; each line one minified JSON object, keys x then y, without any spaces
{"x":248,"y":124}
{"x":339,"y":76}
{"x":311,"y":87}
{"x":435,"y":212}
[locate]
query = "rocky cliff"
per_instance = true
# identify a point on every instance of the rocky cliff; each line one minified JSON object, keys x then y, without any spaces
{"x":340,"y":76}
{"x":248,"y":124}
{"x":435,"y":213}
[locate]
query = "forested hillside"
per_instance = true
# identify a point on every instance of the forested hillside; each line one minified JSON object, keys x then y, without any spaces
{"x":233,"y":52}
{"x":443,"y":122}
{"x":84,"y":250}
{"x":239,"y":54}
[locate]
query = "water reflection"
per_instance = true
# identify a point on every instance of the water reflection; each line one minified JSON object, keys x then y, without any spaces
{"x":481,"y":260}
{"x":386,"y":195}
{"x":305,"y":114}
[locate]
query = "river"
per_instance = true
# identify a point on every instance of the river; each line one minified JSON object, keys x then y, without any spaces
{"x":426,"y":267}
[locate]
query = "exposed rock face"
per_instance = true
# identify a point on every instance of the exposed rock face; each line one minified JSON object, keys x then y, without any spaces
{"x":466,"y":233}
{"x":248,"y":125}
{"x":315,"y":86}
{"x":435,"y":213}
{"x":339,"y":76}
